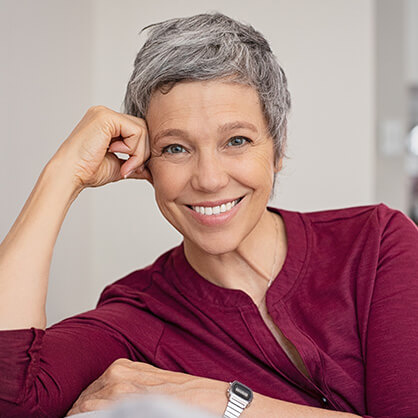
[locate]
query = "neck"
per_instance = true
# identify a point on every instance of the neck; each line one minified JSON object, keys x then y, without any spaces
{"x":249,"y":266}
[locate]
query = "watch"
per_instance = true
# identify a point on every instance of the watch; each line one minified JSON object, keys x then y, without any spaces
{"x":239,"y":397}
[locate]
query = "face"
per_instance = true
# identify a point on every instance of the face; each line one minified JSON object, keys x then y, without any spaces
{"x":211,"y":162}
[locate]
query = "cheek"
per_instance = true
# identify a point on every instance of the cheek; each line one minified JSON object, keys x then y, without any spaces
{"x":169,"y":180}
{"x":257,"y":169}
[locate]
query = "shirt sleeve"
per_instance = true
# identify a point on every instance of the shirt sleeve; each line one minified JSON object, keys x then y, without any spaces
{"x":392,"y":334}
{"x":42,"y":373}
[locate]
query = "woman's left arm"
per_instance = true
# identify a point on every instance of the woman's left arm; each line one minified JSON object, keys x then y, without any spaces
{"x":125,"y":378}
{"x":391,"y":344}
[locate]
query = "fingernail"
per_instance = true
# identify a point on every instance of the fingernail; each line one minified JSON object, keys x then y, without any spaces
{"x":128,"y":174}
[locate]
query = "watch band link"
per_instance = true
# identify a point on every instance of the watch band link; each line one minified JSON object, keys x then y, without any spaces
{"x":235,"y":407}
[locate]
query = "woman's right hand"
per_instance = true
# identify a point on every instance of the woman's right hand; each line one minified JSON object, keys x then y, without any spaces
{"x":88,"y":151}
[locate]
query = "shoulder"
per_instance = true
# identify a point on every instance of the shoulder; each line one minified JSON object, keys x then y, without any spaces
{"x":136,"y":282}
{"x":380,"y":211}
{"x":377,"y":217}
{"x":369,"y":231}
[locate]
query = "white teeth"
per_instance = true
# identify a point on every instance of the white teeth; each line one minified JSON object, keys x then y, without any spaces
{"x":215,"y":210}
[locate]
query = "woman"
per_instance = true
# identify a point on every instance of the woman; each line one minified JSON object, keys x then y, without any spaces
{"x":313,"y":312}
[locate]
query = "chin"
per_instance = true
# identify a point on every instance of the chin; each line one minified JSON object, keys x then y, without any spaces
{"x":215,"y":246}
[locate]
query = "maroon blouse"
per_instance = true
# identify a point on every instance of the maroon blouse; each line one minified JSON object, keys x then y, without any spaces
{"x":346,"y":297}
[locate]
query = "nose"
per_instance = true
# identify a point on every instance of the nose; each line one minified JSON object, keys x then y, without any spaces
{"x":209,"y":173}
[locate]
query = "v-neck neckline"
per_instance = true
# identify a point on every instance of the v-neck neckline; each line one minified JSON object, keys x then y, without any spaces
{"x":281,"y":287}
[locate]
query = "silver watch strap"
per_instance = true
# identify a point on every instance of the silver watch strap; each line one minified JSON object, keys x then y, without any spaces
{"x":234,"y":407}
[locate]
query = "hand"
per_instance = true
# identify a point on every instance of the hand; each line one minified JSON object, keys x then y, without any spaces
{"x":125,"y":378}
{"x":88,"y":152}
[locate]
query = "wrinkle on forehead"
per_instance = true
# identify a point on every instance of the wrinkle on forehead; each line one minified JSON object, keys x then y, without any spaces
{"x":199,"y":105}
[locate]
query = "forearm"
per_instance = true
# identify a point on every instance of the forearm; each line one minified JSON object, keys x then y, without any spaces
{"x":264,"y":406}
{"x":26,"y":252}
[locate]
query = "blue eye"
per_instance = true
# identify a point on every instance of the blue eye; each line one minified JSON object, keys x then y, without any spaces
{"x":173,"y":149}
{"x":237,"y":141}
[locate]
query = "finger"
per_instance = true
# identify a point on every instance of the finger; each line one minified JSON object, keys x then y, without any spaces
{"x":143,"y":136}
{"x":119,"y":146}
{"x":136,"y":164}
{"x":90,"y":405}
{"x":143,"y":171}
{"x":133,"y":118}
{"x":126,"y":133}
{"x":130,"y":167}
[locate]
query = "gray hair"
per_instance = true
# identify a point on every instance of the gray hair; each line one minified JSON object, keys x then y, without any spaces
{"x":209,"y":46}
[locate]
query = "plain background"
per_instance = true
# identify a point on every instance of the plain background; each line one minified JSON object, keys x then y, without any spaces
{"x":61,"y":57}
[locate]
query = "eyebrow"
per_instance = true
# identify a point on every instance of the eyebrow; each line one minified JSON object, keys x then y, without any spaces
{"x":229,"y":126}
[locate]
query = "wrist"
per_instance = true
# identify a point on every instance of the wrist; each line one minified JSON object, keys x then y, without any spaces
{"x":57,"y":171}
{"x":239,"y":397}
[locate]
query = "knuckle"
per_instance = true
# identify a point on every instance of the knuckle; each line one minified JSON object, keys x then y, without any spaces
{"x":122,"y":387}
{"x":142,"y":123}
{"x":121,"y":362}
{"x":115,"y":369}
{"x":97,"y":109}
{"x":87,"y":405}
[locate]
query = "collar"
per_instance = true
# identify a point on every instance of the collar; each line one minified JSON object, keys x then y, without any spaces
{"x":194,"y":286}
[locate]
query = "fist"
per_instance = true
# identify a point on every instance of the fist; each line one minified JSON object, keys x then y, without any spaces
{"x":88,"y":153}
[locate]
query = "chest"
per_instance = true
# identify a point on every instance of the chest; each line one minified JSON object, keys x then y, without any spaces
{"x":287,"y":346}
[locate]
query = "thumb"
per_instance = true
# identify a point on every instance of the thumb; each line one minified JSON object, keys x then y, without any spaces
{"x":141,"y":173}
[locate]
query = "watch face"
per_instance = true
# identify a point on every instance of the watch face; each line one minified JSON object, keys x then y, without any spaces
{"x":242,"y":391}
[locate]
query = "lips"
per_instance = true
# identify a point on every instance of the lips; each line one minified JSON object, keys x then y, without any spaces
{"x":213,"y":216}
{"x":211,"y":204}
{"x":216,"y":210}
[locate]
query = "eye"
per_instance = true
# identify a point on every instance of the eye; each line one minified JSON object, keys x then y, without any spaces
{"x":238,"y":141}
{"x":173,"y":149}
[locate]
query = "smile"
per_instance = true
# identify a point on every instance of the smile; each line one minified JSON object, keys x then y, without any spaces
{"x":216,"y":210}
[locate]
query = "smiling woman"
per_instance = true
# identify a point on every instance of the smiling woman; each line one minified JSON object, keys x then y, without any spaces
{"x":260,"y":311}
{"x":210,"y":147}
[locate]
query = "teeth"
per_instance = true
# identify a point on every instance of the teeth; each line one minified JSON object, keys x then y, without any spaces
{"x":215,"y":210}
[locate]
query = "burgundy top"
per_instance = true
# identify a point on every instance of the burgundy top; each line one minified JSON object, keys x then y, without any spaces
{"x":346,"y":297}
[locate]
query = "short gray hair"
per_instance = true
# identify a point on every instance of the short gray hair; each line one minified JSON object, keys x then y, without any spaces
{"x":209,"y":46}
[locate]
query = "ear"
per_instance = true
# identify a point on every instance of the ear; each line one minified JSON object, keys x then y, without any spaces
{"x":278,"y":165}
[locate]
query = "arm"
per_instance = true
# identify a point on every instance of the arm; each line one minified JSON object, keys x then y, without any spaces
{"x":83,"y":160}
{"x":23,"y":284}
{"x":125,"y":377}
{"x":392,"y":336}
{"x":43,"y":372}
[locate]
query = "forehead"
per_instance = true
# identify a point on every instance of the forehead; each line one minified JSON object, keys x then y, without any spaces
{"x":208,"y":104}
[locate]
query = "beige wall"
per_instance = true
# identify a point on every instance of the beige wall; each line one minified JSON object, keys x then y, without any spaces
{"x":392,"y":183}
{"x":45,"y":88}
{"x":411,"y":40}
{"x":65,"y":56}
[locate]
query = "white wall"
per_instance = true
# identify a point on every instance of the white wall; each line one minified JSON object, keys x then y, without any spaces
{"x":86,"y":52}
{"x":411,"y":38}
{"x":45,"y":85}
{"x":392,"y":184}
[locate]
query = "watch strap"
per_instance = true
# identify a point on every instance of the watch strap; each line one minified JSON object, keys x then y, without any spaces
{"x":239,"y":397}
{"x":234,"y":407}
